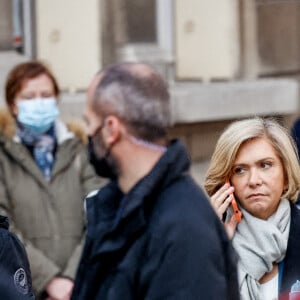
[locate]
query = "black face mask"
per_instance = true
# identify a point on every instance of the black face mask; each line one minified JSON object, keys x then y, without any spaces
{"x":102,"y":166}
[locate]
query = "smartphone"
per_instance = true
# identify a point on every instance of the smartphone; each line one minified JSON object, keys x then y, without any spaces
{"x":236,"y":211}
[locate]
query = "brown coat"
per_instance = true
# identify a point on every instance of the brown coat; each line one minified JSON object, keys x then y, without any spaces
{"x":48,"y":217}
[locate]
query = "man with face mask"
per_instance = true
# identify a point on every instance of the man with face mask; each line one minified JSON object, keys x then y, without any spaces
{"x":101,"y":165}
{"x":151,"y":232}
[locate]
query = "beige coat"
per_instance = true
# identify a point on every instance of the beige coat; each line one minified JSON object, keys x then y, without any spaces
{"x":47,"y":217}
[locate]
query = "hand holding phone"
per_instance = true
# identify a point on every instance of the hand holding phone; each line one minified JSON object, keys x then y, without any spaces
{"x":236,"y":211}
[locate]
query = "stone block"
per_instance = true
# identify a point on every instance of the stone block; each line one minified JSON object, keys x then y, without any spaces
{"x":230,"y":100}
{"x":207,"y":42}
{"x":6,"y":25}
{"x":278,"y":36}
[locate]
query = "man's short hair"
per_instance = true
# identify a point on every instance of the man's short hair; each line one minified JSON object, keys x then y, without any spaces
{"x":138,"y":96}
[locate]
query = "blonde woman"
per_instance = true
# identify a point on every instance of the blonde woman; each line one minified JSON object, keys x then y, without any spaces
{"x":258,"y":158}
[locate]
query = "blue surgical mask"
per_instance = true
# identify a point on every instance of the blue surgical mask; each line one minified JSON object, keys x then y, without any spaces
{"x":37,"y":114}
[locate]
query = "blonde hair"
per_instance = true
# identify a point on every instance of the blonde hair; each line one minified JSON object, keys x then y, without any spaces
{"x":236,"y":135}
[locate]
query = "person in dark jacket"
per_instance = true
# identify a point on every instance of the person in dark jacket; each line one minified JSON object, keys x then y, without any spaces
{"x":151,"y":233}
{"x":15,"y":276}
{"x":295,"y":132}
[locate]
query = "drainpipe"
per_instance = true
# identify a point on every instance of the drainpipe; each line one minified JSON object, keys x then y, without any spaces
{"x":17,"y":25}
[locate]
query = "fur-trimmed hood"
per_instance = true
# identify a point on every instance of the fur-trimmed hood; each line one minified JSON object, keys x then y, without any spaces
{"x":8,"y":126}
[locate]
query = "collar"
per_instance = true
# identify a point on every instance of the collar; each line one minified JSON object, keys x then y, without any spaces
{"x":114,"y":218}
{"x":61,"y":131}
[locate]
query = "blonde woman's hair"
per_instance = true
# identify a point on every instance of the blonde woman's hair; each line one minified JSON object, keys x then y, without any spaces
{"x":236,"y":135}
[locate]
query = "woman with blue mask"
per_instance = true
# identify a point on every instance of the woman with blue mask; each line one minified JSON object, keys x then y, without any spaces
{"x":44,"y":176}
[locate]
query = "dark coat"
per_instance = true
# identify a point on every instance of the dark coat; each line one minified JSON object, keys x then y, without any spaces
{"x":160,"y":241}
{"x":291,"y":264}
{"x":15,"y":277}
{"x":295,"y":132}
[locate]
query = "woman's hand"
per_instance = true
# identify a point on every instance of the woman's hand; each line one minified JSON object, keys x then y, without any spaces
{"x":59,"y":288}
{"x":220,"y":202}
{"x":221,"y":199}
{"x":230,"y":226}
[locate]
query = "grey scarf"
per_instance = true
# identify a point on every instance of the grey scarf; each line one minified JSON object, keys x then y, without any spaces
{"x":259,"y":243}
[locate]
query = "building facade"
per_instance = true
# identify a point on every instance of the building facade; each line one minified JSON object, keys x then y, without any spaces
{"x":223,"y":59}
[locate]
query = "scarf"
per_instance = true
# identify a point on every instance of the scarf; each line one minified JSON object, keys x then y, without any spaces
{"x":42,"y":146}
{"x":259,"y":243}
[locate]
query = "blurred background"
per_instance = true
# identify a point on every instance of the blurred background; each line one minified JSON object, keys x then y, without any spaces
{"x":223,"y":59}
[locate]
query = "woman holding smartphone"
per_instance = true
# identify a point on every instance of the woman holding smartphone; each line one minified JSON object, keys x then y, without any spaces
{"x":258,"y":158}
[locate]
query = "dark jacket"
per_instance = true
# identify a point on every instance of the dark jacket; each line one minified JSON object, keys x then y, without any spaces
{"x":160,"y":241}
{"x":15,"y":277}
{"x":295,"y":132}
{"x":291,"y":263}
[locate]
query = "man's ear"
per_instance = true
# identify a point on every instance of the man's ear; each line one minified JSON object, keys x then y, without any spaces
{"x":112,"y":129}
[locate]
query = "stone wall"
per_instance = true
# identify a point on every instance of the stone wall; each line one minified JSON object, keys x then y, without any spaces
{"x":278,"y":36}
{"x":6,"y":31}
